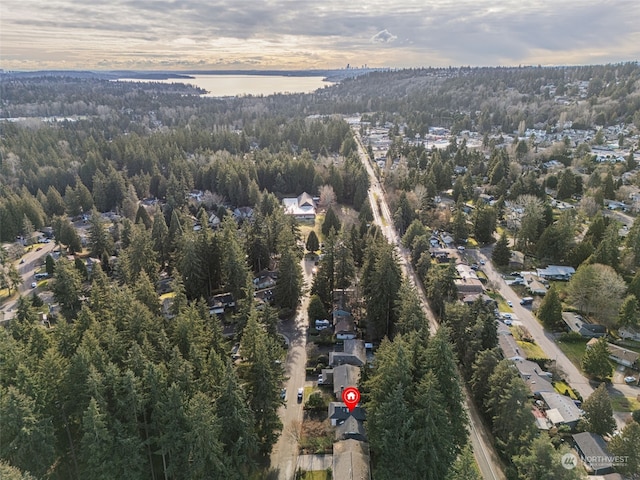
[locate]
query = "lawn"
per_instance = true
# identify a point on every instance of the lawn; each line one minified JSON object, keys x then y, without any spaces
{"x":317,"y":475}
{"x":624,"y":404}
{"x":531,"y":350}
{"x":164,"y":296}
{"x":562,"y":387}
{"x":502,"y":303}
{"x":472,"y":243}
{"x":574,"y":351}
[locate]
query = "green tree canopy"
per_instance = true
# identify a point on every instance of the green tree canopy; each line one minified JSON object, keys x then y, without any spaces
{"x":598,"y":413}
{"x":595,"y":361}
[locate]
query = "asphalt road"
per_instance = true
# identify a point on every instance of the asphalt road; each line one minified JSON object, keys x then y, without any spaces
{"x":545,"y":339}
{"x":32,"y":261}
{"x":481,"y":440}
{"x":284,"y":455}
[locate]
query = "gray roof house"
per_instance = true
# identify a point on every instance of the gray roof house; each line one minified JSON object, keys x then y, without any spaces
{"x":351,"y":460}
{"x":561,"y":410}
{"x":351,"y":429}
{"x":344,"y":376}
{"x":578,"y":324}
{"x":338,"y":413}
{"x":593,"y":452}
{"x":556,"y":272}
{"x":353,"y":354}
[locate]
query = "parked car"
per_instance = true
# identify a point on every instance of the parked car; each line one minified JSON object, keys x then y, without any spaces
{"x":510,"y":303}
{"x":34,"y":284}
{"x":300,"y":394}
{"x":320,"y":379}
{"x":283,"y":394}
{"x":629,"y":379}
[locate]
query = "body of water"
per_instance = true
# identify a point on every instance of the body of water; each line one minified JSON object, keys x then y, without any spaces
{"x":238,"y":85}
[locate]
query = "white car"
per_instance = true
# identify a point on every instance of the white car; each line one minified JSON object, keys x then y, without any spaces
{"x":629,"y":379}
{"x":510,"y":303}
{"x":34,"y":284}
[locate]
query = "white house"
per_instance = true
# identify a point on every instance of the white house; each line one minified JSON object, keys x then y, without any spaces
{"x":303,"y":207}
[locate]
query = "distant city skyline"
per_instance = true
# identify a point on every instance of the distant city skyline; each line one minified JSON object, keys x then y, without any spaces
{"x":326,"y":34}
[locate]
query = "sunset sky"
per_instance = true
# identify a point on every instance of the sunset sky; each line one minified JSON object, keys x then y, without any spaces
{"x":298,"y":34}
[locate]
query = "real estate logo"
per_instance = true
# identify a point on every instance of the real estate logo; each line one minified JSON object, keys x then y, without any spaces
{"x":569,"y":461}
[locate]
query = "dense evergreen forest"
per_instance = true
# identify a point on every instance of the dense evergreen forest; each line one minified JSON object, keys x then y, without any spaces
{"x":123,"y":387}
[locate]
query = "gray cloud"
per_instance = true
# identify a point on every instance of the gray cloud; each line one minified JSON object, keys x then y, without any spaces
{"x":478,"y":32}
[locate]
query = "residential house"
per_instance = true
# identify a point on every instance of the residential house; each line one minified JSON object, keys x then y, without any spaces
{"x":338,"y":413}
{"x":468,"y":286}
{"x":351,"y":460}
{"x":447,"y":240}
{"x":344,"y":325}
{"x":560,"y":409}
{"x":534,"y":285}
{"x":620,"y":355}
{"x":218,"y":304}
{"x":485,"y":299}
{"x":344,"y":376}
{"x":243,"y":213}
{"x":303,"y":207}
{"x":578,"y":324}
{"x":345,"y":329}
{"x":556,"y":272}
{"x":594,"y":453}
{"x":265,"y":279}
{"x":629,"y":333}
{"x":214,"y":221}
{"x":509,"y":347}
{"x":351,"y":429}
{"x":353,"y":354}
{"x":535,"y":377}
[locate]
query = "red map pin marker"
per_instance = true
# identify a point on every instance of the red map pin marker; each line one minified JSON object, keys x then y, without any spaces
{"x":351,"y":397}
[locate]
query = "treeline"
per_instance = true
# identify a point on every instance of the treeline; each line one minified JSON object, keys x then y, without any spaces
{"x":70,"y":168}
{"x":122,"y":392}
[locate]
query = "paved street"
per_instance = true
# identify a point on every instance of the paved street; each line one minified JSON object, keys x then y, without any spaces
{"x":284,"y":455}
{"x":32,"y":260}
{"x":545,"y":339}
{"x":481,"y":440}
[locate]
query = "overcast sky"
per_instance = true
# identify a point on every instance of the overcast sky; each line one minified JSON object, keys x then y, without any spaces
{"x":298,"y":34}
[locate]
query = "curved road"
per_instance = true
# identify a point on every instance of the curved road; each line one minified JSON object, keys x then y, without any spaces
{"x":32,"y":261}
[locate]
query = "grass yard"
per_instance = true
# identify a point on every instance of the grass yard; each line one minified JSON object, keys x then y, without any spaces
{"x":574,"y":351}
{"x":562,"y":388}
{"x":472,"y":243}
{"x":317,"y":475}
{"x":624,"y":404}
{"x":502,"y":303}
{"x":531,"y":350}
{"x":164,"y":296}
